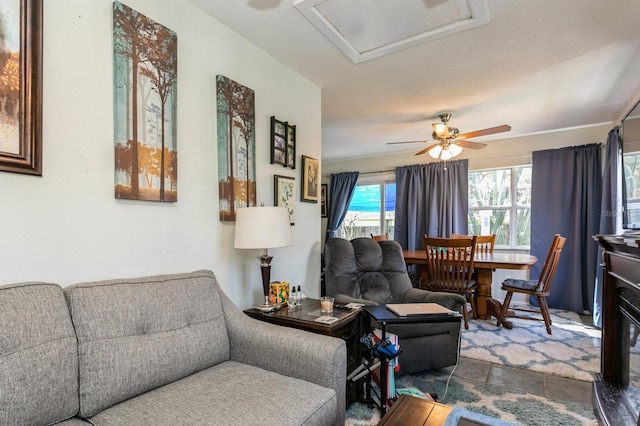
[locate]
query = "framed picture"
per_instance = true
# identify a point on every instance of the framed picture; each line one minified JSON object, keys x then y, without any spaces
{"x":284,"y":194}
{"x":278,"y":142}
{"x":310,"y":179}
{"x":21,"y":87}
{"x":291,"y":146}
{"x":324,"y":207}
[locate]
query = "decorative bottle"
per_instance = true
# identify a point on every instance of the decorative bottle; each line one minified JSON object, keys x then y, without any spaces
{"x":293,"y":297}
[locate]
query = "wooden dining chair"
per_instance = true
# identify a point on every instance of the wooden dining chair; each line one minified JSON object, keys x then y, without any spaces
{"x":539,"y":288}
{"x":484,"y":243}
{"x":383,"y":237}
{"x":450,"y":268}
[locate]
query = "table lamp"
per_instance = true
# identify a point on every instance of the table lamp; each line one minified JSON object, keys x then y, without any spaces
{"x":263,"y":228}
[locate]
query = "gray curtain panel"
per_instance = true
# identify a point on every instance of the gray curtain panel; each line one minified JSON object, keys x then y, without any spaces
{"x":341,"y":188}
{"x":431,"y":199}
{"x":566,"y":191}
{"x":608,"y":209}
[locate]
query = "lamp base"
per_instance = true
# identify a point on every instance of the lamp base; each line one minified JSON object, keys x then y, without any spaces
{"x":265,"y":268}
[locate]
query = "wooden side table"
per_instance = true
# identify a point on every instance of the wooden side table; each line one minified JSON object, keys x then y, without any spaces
{"x":348,"y":327}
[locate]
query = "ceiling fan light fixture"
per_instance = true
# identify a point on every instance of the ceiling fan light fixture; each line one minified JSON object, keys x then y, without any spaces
{"x":435,"y":151}
{"x":445,"y":155}
{"x":441,"y":130}
{"x":455,"y":149}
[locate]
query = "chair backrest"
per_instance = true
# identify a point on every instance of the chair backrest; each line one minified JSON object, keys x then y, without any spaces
{"x":449,"y":262}
{"x":550,"y":265}
{"x":366,"y":269}
{"x":484,"y":243}
{"x":383,"y":237}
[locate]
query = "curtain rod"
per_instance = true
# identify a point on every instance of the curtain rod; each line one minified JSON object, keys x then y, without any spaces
{"x":369,"y":173}
{"x":480,"y":160}
{"x":379,"y":171}
{"x":501,"y":158}
{"x":470,"y":160}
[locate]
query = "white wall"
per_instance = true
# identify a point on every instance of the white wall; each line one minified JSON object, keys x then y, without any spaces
{"x":67,"y":226}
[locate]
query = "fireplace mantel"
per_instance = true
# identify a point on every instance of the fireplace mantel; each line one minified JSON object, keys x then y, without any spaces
{"x":616,"y":401}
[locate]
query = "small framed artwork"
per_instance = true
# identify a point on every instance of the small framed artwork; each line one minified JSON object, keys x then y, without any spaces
{"x":291,"y":146}
{"x":310,"y":179}
{"x":278,"y":142}
{"x":284,"y":194}
{"x":324,"y":212}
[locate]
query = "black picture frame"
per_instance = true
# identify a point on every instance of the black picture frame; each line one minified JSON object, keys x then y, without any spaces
{"x":278,"y":142}
{"x":291,"y":146}
{"x":310,"y":180}
{"x":324,"y":204}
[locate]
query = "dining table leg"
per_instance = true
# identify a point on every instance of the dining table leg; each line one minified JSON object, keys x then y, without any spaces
{"x":487,"y":305}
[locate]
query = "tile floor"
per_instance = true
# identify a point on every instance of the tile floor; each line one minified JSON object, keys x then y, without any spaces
{"x":547,"y":385}
{"x":551,"y":387}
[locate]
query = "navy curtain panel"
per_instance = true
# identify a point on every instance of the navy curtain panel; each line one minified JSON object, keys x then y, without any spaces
{"x":431,"y":199}
{"x":341,"y":187}
{"x":565,"y":199}
{"x":608,"y":209}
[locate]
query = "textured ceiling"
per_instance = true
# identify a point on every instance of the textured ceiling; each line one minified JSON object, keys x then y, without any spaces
{"x":538,"y":65}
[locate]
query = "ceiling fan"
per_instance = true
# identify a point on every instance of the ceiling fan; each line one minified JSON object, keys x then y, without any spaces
{"x":449,"y":141}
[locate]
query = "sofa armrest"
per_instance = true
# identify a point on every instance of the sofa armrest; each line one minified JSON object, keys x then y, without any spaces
{"x":311,"y":357}
{"x":451,"y":301}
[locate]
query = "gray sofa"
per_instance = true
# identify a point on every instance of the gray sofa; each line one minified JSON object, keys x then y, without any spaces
{"x":374,"y":272}
{"x":162,"y":350}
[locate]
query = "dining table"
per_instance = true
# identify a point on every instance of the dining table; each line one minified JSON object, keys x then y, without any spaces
{"x":484,"y":264}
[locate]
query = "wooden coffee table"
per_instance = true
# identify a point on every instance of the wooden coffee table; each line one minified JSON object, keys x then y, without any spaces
{"x":409,"y":410}
{"x":348,"y":327}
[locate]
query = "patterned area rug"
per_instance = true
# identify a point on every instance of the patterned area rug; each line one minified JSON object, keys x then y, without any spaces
{"x":573,"y":350}
{"x":490,"y":400}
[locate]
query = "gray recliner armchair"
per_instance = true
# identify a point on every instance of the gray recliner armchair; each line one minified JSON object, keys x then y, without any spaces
{"x":374,"y":272}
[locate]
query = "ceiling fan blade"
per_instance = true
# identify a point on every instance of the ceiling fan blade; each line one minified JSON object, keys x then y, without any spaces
{"x":485,"y":132}
{"x":427,"y":149}
{"x":396,"y":143}
{"x":470,"y":144}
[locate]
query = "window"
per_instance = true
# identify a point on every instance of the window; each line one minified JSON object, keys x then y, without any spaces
{"x":372,"y":211}
{"x":500,"y":203}
{"x":632,"y":185}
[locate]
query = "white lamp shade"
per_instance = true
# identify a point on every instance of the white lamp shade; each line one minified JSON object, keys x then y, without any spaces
{"x":262,"y":228}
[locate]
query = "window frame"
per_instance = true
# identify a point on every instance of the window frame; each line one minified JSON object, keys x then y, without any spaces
{"x":382,"y":180}
{"x":513,"y":208}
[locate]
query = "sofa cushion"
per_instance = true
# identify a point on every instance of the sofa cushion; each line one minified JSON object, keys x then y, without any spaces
{"x":230,"y":393}
{"x":38,"y":356}
{"x":135,"y":335}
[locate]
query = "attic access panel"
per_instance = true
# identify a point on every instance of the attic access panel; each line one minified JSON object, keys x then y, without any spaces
{"x":365,"y":29}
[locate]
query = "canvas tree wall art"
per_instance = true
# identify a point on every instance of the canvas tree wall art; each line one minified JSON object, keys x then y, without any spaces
{"x":145,"y":64}
{"x":236,"y":147}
